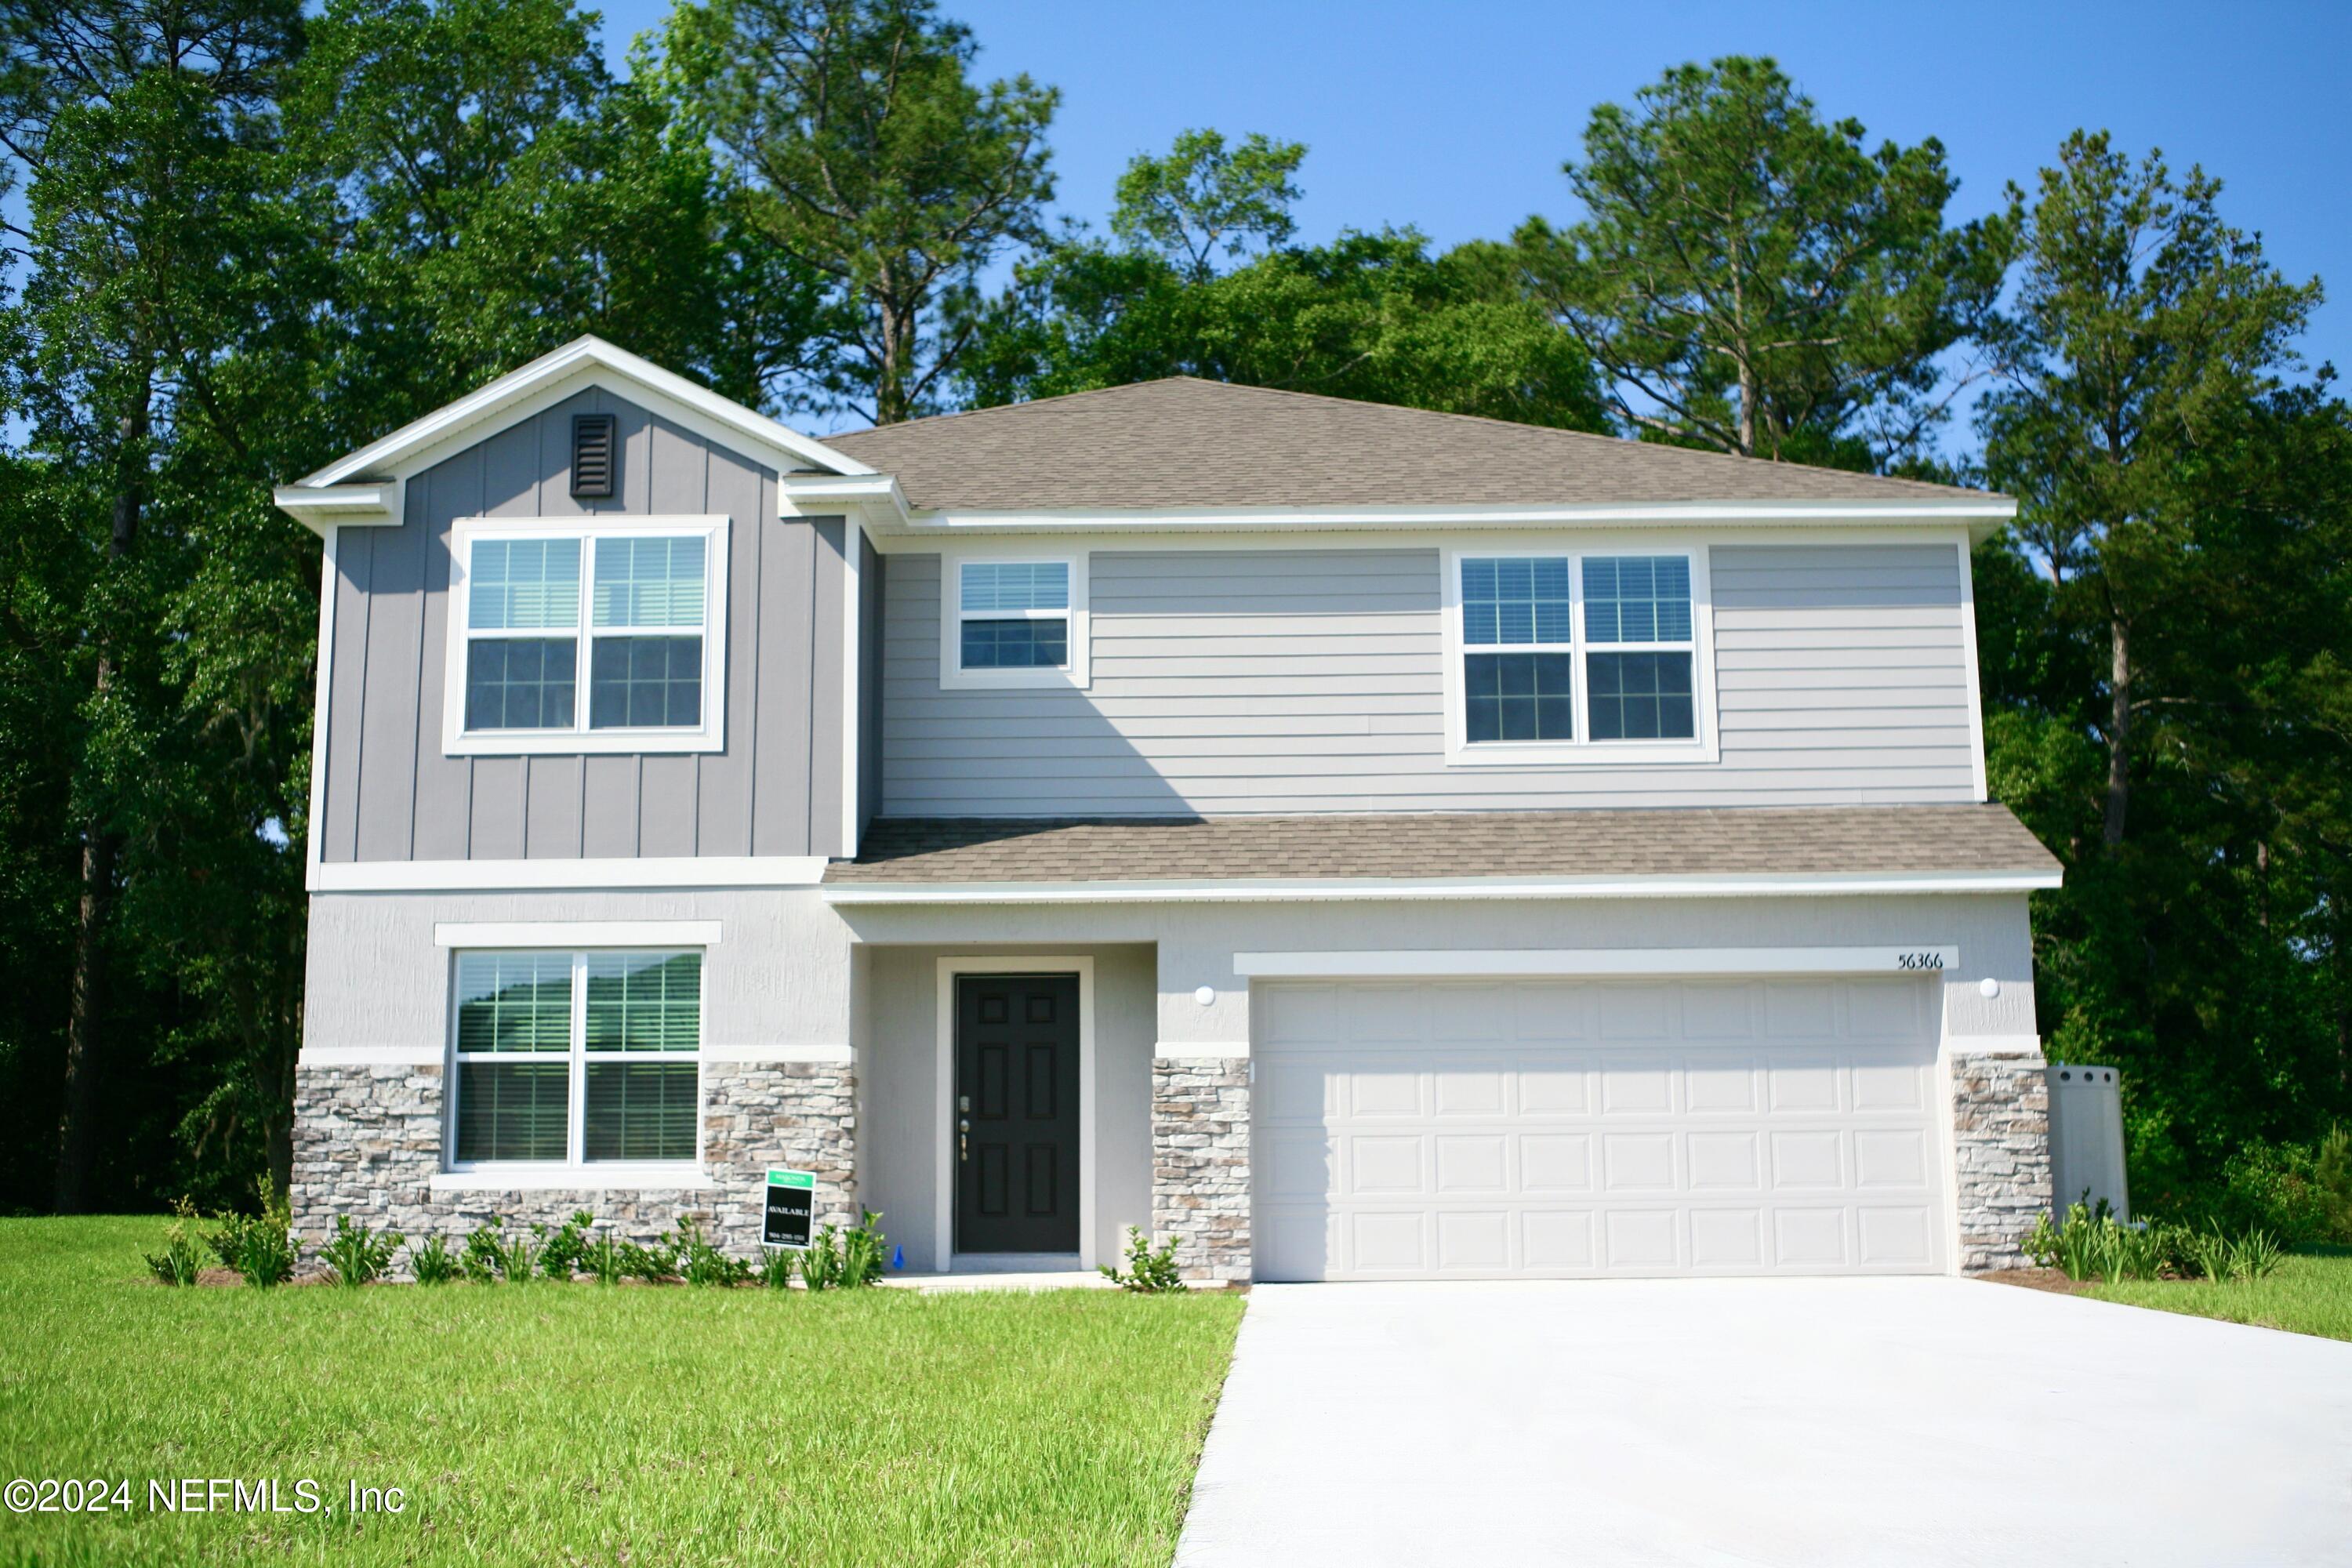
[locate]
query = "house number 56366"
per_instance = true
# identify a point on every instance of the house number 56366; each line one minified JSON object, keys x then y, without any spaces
{"x":1919,"y":960}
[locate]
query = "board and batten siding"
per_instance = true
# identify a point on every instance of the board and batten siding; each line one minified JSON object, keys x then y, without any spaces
{"x":1306,"y":681}
{"x":392,"y":794}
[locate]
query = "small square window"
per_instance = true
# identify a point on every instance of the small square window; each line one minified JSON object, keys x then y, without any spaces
{"x":1014,"y":623}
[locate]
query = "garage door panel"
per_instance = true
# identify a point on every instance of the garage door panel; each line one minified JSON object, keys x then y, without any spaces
{"x":1383,"y":1166}
{"x":1473,"y":1163}
{"x":1473,"y":1241}
{"x":1724,"y":1161}
{"x":1398,"y":1137}
{"x":1557,"y":1241}
{"x":1726,"y":1240}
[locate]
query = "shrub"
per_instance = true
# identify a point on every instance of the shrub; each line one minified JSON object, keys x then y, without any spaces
{"x":844,"y":1261}
{"x":182,"y":1257}
{"x":565,"y":1250}
{"x":774,"y":1269}
{"x":2332,"y":1171}
{"x":258,"y":1247}
{"x":2090,"y":1244}
{"x":434,"y":1263}
{"x":356,"y":1255}
{"x":603,"y":1261}
{"x":702,"y":1263}
{"x":1148,"y":1273}
{"x":2273,"y":1187}
{"x":481,"y":1261}
{"x":862,"y":1251}
{"x":651,"y":1264}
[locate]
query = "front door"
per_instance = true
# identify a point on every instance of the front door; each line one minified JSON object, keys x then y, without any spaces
{"x":1016,"y":1113}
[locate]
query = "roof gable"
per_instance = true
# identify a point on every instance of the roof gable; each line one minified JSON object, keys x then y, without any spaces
{"x":1183,"y":442}
{"x":362,"y":487}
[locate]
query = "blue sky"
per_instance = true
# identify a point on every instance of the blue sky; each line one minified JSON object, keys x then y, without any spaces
{"x":1456,"y":119}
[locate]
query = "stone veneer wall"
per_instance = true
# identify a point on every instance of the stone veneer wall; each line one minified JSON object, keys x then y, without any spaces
{"x":367,"y":1142}
{"x":2001,"y":1140}
{"x":1201,"y":1163}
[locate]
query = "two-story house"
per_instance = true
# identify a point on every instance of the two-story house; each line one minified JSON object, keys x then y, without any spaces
{"x":1361,"y":843}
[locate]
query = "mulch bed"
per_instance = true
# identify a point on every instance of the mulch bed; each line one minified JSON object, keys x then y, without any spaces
{"x":2049,"y":1280}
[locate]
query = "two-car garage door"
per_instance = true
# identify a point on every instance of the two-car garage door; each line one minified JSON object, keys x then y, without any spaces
{"x":1565,"y":1128}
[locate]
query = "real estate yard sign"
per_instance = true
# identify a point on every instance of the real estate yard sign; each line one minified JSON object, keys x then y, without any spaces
{"x":792,"y":1205}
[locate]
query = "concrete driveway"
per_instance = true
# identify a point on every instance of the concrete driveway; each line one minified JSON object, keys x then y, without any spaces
{"x":1810,"y":1423}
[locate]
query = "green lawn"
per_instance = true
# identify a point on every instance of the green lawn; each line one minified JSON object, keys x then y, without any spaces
{"x":570,"y":1423}
{"x":2310,"y":1294}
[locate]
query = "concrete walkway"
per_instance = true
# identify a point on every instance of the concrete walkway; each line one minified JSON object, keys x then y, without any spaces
{"x":1810,"y":1423}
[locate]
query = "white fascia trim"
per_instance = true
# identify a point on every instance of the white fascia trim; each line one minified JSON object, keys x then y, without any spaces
{"x":1269,"y":889}
{"x":574,"y":1178}
{"x":785,"y":1053}
{"x":322,"y":508}
{"x":876,"y":495}
{"x":1199,"y":1050}
{"x":574,"y":358}
{"x":1991,"y":509}
{"x":477,"y":875}
{"x":1992,"y":1045}
{"x":370,"y":1055}
{"x":1969,"y":652}
{"x":1923,"y":960}
{"x":576,"y":933}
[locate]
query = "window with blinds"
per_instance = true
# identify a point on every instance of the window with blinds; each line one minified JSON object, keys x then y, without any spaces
{"x":577,"y":1057}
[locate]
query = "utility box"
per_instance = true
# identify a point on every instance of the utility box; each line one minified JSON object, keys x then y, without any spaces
{"x":2086,"y":1139}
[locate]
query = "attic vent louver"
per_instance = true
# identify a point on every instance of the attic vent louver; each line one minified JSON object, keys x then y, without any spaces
{"x":595,"y":439}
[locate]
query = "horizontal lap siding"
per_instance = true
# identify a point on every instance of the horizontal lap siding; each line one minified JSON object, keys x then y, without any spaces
{"x":1239,"y":681}
{"x":392,"y":794}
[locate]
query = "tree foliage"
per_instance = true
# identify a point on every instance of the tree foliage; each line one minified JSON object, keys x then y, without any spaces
{"x":2164,"y":632}
{"x":876,"y":161}
{"x":1752,"y":278}
{"x":1204,"y":199}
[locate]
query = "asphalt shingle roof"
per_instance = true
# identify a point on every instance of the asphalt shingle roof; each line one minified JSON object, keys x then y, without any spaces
{"x":1785,"y":840}
{"x":1184,"y":442}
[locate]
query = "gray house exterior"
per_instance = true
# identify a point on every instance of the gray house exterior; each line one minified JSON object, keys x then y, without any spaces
{"x":1356,"y":842}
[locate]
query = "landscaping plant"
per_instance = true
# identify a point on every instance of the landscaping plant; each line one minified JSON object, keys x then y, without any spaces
{"x":821,"y":1260}
{"x":355,"y":1254}
{"x":1147,"y":1272}
{"x":434,"y":1263}
{"x":651,"y":1264}
{"x":182,"y":1256}
{"x":481,"y":1259}
{"x":863,"y":1253}
{"x":702,"y":1263}
{"x":258,"y":1247}
{"x":564,"y":1251}
{"x":603,"y":1261}
{"x":774,"y":1269}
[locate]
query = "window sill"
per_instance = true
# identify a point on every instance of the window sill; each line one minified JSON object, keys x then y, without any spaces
{"x":1588,"y":754}
{"x":572,"y":1178}
{"x":584,"y":743}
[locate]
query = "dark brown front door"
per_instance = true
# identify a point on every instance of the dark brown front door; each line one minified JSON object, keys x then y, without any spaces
{"x":1016,"y":1122}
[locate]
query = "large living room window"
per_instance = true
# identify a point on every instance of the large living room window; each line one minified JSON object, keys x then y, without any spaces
{"x":600,"y":637}
{"x":577,"y":1058}
{"x":1575,"y":656}
{"x":1013,"y":620}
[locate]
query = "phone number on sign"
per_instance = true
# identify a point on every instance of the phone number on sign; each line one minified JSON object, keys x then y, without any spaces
{"x":198,"y":1494}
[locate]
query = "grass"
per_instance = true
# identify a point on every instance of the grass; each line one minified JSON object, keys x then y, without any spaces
{"x":2311,"y":1293}
{"x":572,"y":1423}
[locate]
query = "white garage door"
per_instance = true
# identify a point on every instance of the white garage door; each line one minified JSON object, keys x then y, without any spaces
{"x":1558,"y":1129}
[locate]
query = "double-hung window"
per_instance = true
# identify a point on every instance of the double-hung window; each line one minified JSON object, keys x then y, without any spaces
{"x":1014,"y":622}
{"x":601,"y":638}
{"x":1568,"y":655}
{"x":577,"y":1058}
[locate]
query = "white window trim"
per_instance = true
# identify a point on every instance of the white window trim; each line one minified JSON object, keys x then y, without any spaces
{"x":1073,"y":675}
{"x":710,"y":735}
{"x":574,"y":1169}
{"x":1706,"y":746}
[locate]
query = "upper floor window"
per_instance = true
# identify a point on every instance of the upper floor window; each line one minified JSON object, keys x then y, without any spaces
{"x":574,"y":1058}
{"x":604,"y":636}
{"x":1013,"y":621}
{"x":1570,"y":655}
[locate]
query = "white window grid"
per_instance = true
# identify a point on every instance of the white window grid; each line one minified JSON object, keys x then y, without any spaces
{"x":1074,"y":669}
{"x":578,"y":1056}
{"x":1699,"y":746}
{"x":706,"y":734}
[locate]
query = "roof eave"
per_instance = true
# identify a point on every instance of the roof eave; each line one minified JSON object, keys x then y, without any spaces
{"x":1249,"y":888}
{"x":583,"y":358}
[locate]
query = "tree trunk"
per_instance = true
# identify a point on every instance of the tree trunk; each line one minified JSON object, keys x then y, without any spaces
{"x":2119,"y":718}
{"x":85,"y":1020}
